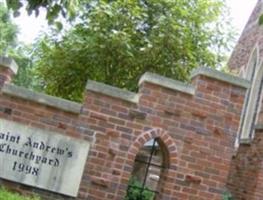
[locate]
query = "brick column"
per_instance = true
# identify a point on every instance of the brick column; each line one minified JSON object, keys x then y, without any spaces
{"x":8,"y":68}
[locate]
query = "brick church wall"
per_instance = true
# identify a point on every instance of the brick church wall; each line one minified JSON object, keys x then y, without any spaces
{"x":251,"y":35}
{"x":196,"y":123}
{"x":246,"y":174}
{"x":245,"y":180}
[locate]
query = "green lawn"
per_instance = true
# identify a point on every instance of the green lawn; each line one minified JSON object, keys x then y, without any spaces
{"x":7,"y":195}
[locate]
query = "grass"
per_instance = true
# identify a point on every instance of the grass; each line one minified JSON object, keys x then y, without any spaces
{"x":7,"y":195}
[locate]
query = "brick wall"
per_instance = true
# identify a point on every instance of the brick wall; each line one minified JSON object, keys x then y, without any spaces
{"x":196,"y":124}
{"x":246,"y":175}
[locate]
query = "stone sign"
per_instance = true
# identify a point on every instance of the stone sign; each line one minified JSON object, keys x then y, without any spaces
{"x":41,"y":158}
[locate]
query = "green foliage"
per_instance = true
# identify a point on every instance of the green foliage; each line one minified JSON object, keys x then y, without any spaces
{"x":260,"y":21}
{"x":54,"y":8}
{"x":8,"y":31}
{"x":22,"y":54}
{"x":117,"y":41}
{"x":134,"y":191}
{"x":7,"y":195}
{"x":227,"y":196}
{"x":10,"y":47}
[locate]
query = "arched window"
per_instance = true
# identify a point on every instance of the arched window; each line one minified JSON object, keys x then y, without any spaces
{"x":251,"y":105}
{"x":252,"y":64}
{"x":149,"y":164}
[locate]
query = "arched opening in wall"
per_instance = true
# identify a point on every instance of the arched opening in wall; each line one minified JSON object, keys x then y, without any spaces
{"x":251,"y":66}
{"x":256,"y":96}
{"x":150,"y":162}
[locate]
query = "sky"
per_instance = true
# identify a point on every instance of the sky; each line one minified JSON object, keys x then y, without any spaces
{"x":31,"y":26}
{"x":240,"y":11}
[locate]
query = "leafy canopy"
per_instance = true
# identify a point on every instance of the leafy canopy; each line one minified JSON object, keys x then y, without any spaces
{"x":8,"y":31}
{"x":9,"y":46}
{"x":53,"y":9}
{"x":117,"y":41}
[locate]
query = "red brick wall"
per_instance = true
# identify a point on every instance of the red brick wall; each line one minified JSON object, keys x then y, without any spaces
{"x":197,"y":134}
{"x":246,"y":174}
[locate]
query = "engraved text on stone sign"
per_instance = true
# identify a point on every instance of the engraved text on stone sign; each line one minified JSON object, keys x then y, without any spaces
{"x":41,"y":158}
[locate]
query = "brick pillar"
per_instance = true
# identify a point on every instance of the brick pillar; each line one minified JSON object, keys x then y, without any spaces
{"x":8,"y":68}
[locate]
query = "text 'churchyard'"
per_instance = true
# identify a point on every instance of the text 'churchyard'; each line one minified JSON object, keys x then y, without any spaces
{"x":41,"y":158}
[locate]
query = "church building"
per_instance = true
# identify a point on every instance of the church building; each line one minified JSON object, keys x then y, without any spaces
{"x":246,"y":174}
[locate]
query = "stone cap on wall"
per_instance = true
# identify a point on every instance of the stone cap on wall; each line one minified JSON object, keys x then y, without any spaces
{"x":167,"y":83}
{"x":101,"y":88}
{"x":245,"y":141}
{"x":8,"y":63}
{"x":258,"y":128}
{"x":215,"y":74}
{"x":112,"y":91}
{"x":62,"y":104}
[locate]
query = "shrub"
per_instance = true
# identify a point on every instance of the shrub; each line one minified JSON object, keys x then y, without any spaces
{"x":135,"y":192}
{"x":227,"y":196}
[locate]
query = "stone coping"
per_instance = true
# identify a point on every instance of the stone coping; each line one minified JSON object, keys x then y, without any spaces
{"x":167,"y":83}
{"x":112,"y":91}
{"x":8,"y":63}
{"x":115,"y":92}
{"x":245,"y":141}
{"x":62,"y":104}
{"x":259,"y":127}
{"x":215,"y":74}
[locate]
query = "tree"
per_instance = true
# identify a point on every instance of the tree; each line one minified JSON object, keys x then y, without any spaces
{"x":53,"y":9}
{"x":9,"y":46}
{"x":22,"y":54}
{"x":117,"y":41}
{"x":8,"y":31}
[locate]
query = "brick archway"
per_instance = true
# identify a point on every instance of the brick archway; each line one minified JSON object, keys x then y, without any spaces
{"x":168,"y":147}
{"x":166,"y":140}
